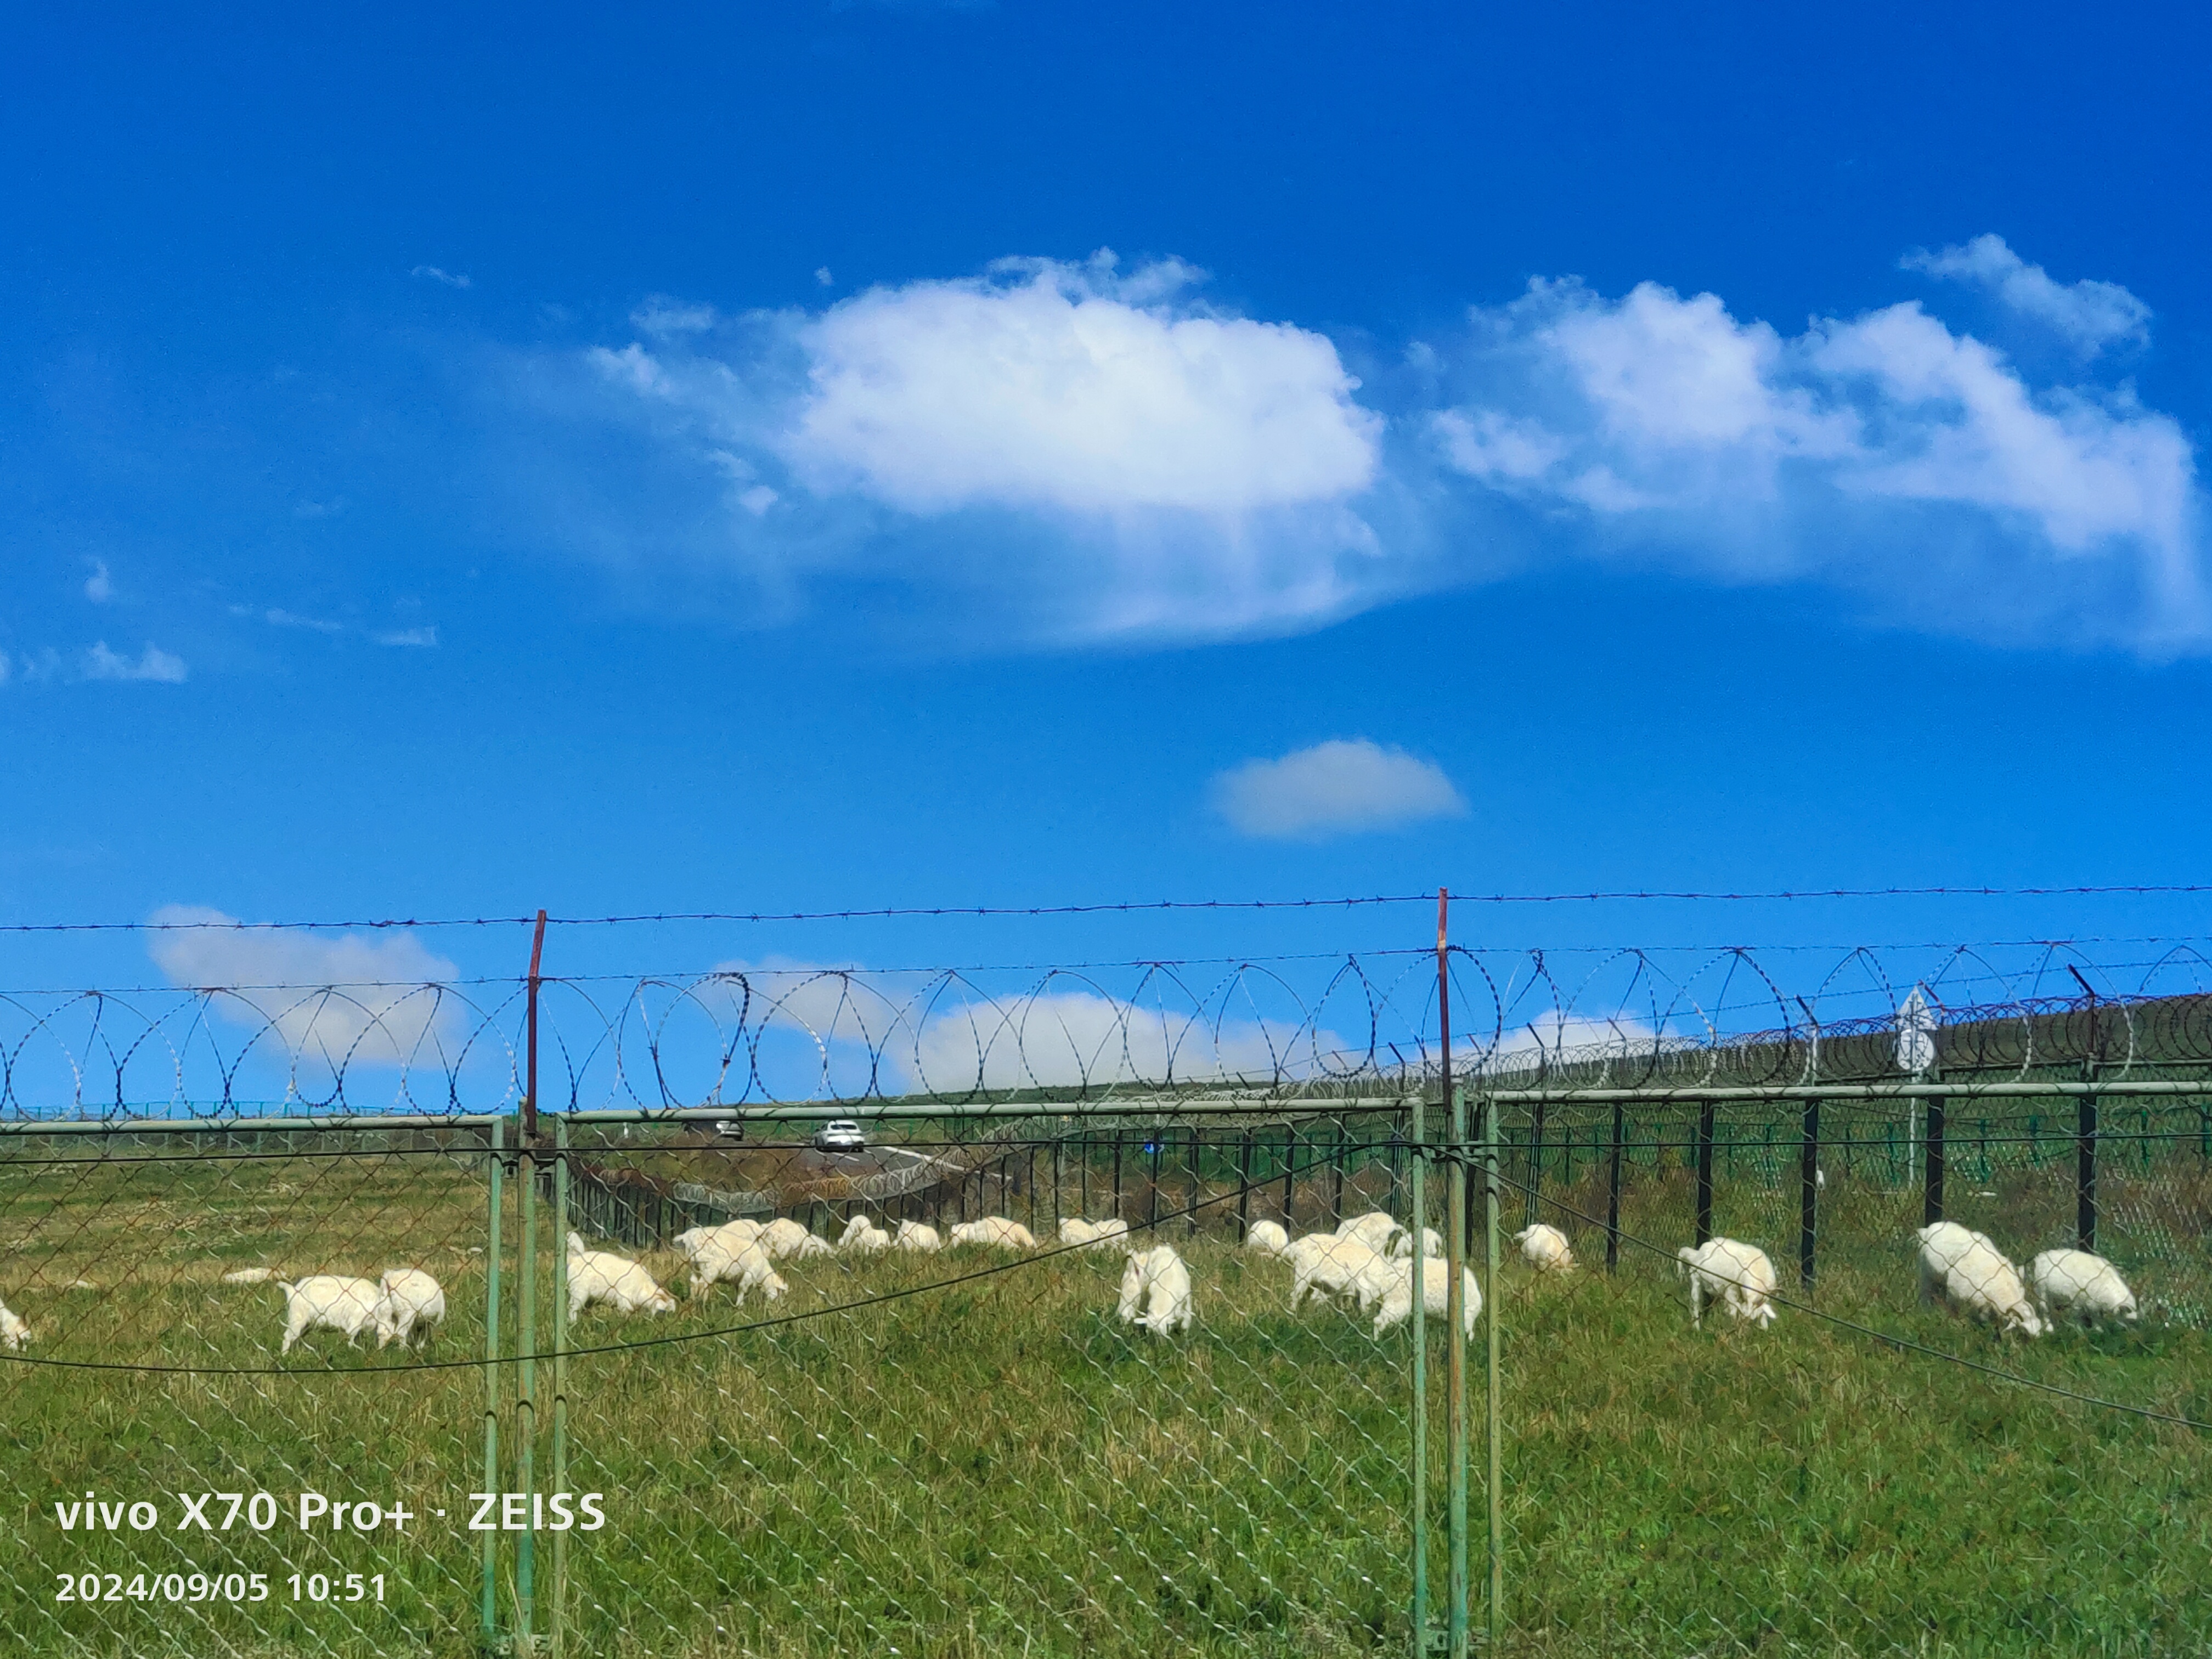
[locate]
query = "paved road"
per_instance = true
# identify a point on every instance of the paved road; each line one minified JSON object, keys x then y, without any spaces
{"x":877,"y":1160}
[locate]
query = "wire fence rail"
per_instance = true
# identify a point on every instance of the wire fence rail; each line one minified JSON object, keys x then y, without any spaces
{"x":1124,"y":1311}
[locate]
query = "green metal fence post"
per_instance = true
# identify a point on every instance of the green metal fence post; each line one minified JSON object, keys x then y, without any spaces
{"x":525,"y":1333}
{"x":488,"y":1599}
{"x":525,"y":1404}
{"x":555,"y":1618}
{"x":1417,"y":1191}
{"x":1497,"y":1599}
{"x":1455,"y":1381}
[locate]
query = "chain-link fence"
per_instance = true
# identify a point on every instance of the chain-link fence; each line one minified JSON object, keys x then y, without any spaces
{"x":1120,"y":1343}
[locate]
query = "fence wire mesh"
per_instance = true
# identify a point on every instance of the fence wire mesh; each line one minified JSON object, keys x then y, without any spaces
{"x":816,"y":1416}
{"x":157,"y":1456}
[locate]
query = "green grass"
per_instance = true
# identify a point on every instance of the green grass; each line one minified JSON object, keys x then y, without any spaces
{"x":995,"y":1467}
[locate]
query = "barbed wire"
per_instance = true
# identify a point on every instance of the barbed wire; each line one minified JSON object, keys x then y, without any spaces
{"x":1303,"y":1027}
{"x":1131,"y":906}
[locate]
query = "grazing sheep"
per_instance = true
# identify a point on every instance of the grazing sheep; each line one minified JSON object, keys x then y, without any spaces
{"x":917,"y":1236}
{"x":994,"y":1231}
{"x":408,"y":1300}
{"x":1389,"y":1285}
{"x":785,"y":1237}
{"x":1268,"y":1238}
{"x":1735,"y":1274}
{"x":812,"y":1245}
{"x":1432,"y":1244}
{"x":14,"y":1333}
{"x":1093,"y":1235}
{"x":1324,"y":1266}
{"x":1544,"y":1249}
{"x":745,"y":1263}
{"x":1988,"y":1287}
{"x":1155,"y":1292}
{"x":249,"y":1276}
{"x":1942,"y":1242}
{"x":1971,"y":1273}
{"x":863,"y":1234}
{"x":601,"y":1276}
{"x":694,"y":1242}
{"x":2076,"y":1283}
{"x":1374,"y":1229}
{"x":326,"y":1300}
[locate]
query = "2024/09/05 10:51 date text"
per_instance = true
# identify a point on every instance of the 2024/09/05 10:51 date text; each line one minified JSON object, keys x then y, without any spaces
{"x":204,"y":1587}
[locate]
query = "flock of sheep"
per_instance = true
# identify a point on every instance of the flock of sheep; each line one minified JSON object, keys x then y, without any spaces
{"x":1367,"y":1261}
{"x":1966,"y":1269}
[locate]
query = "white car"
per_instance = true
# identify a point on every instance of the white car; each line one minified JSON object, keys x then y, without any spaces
{"x":840,"y":1135}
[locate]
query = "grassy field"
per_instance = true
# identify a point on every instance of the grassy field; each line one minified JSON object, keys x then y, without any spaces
{"x":994,"y":1466}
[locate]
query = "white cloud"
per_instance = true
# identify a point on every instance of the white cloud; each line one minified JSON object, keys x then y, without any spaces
{"x":848,"y":1029}
{"x":99,"y":663}
{"x":277,"y":618}
{"x":1081,"y":452}
{"x":1962,"y":427}
{"x":330,"y":1002}
{"x":421,"y":637}
{"x":822,"y":275}
{"x":1557,"y":1038}
{"x":2089,"y":315}
{"x":449,"y":279}
{"x":1338,"y":787}
{"x":1062,"y":453}
{"x":98,"y":586}
{"x":1071,"y":1039}
{"x":1883,"y":453}
{"x":662,"y":317}
{"x":1072,"y":388}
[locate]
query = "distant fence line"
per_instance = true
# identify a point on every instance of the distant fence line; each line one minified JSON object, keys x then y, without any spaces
{"x":1291,"y":1029}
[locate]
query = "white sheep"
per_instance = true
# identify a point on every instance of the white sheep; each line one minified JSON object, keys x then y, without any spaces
{"x":785,"y":1237}
{"x":1155,"y":1292}
{"x":14,"y":1332}
{"x":917,"y":1236}
{"x":1988,"y":1287}
{"x":1970,"y":1273}
{"x":1323,"y":1266}
{"x":1374,"y":1229}
{"x":1389,"y":1285}
{"x":1942,"y":1242}
{"x":689,"y":1239}
{"x":1432,"y":1244}
{"x":408,"y":1300}
{"x":249,"y":1276}
{"x":1735,"y":1274}
{"x":1546,"y":1249}
{"x":743,"y":1264}
{"x":994,"y":1231}
{"x":327,"y":1301}
{"x":2076,"y":1283}
{"x":1094,"y":1234}
{"x":863,"y":1234}
{"x":693,"y":1242}
{"x":1268,"y":1238}
{"x":601,"y":1276}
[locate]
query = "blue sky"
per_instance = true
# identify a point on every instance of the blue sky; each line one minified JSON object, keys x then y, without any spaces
{"x":470,"y":459}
